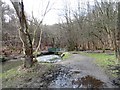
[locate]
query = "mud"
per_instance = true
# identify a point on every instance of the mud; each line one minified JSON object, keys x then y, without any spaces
{"x":75,"y":79}
{"x":82,"y":73}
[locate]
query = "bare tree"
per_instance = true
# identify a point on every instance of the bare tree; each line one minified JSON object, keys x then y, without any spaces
{"x":28,"y":38}
{"x":39,"y":26}
{"x":24,"y":32}
{"x":0,"y":27}
{"x":118,"y":35}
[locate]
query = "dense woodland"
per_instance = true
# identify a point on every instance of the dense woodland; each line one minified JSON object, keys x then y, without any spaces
{"x":93,"y":27}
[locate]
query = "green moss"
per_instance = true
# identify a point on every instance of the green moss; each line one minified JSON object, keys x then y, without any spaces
{"x":11,"y":64}
{"x":48,"y":65}
{"x":18,"y":76}
{"x":10,"y":73}
{"x":67,"y":55}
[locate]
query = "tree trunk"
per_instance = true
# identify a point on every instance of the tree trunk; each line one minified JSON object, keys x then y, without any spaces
{"x":118,"y":35}
{"x":28,"y":50}
{"x":110,"y":42}
{"x":0,"y":22}
{"x":94,"y":46}
{"x":24,"y":33}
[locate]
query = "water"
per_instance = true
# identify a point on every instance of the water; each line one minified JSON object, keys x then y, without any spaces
{"x":49,"y":58}
{"x":75,"y":80}
{"x":63,"y":80}
{"x":87,"y":82}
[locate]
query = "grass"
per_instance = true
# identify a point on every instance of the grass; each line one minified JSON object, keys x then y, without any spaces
{"x":102,"y":59}
{"x":67,"y":55}
{"x":11,"y":64}
{"x":9,"y":73}
{"x":10,"y":69}
{"x":18,"y":76}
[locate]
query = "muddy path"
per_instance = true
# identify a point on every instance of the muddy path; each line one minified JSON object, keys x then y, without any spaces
{"x":82,"y":71}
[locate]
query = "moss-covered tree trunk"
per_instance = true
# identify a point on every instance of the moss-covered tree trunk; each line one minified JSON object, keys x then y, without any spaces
{"x":24,"y":33}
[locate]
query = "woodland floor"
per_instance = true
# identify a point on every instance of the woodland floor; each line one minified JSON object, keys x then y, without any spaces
{"x":43,"y":75}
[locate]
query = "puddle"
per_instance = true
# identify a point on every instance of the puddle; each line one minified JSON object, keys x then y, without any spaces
{"x":87,"y":82}
{"x":63,"y":80}
{"x":49,"y":58}
{"x":70,"y":80}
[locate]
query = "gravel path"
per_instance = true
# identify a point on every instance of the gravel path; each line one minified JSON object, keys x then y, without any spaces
{"x":86,"y":66}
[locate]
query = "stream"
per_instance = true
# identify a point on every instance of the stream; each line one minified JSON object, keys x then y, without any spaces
{"x":49,"y":58}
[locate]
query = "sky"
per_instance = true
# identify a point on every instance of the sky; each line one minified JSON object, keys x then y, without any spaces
{"x":38,"y":8}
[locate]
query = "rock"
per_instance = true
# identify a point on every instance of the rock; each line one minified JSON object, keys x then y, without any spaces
{"x":41,"y":84}
{"x":28,"y":79}
{"x":49,"y":76}
{"x":36,"y":85}
{"x":38,"y":80}
{"x":117,"y":81}
{"x":75,"y":71}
